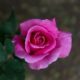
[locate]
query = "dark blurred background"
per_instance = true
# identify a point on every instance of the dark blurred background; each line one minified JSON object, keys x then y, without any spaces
{"x":67,"y":14}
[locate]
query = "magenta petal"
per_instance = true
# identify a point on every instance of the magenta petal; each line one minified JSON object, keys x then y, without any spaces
{"x":34,"y":58}
{"x":39,"y":65}
{"x":17,"y":40}
{"x":54,"y":55}
{"x":24,"y":26}
{"x":19,"y":51}
{"x":65,"y":44}
{"x":18,"y":46}
{"x":50,"y":26}
{"x":45,"y":62}
{"x":54,"y":24}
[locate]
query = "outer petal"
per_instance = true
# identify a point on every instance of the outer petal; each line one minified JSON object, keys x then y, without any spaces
{"x":19,"y":51}
{"x":65,"y":40}
{"x":44,"y":63}
{"x":39,"y":65}
{"x":49,"y":25}
{"x":34,"y":58}
{"x":24,"y":26}
{"x":18,"y":46}
{"x":54,"y":23}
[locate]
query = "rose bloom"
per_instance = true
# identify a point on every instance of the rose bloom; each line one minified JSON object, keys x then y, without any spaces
{"x":41,"y":43}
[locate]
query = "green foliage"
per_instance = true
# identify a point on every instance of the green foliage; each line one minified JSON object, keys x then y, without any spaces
{"x":11,"y":68}
{"x":3,"y":55}
{"x":9,"y":46}
{"x":8,"y":27}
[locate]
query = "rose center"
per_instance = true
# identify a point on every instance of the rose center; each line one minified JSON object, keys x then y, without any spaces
{"x":38,"y":38}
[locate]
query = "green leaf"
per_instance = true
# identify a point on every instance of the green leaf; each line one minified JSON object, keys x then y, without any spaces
{"x":12,"y":21}
{"x":3,"y":55}
{"x":3,"y":77}
{"x":9,"y":26}
{"x":14,"y":69}
{"x":8,"y":46}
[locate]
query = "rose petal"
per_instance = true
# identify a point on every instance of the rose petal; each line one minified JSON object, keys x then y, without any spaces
{"x":65,"y":44}
{"x":39,"y":65}
{"x":34,"y":58}
{"x":50,"y":58}
{"x":54,"y":23}
{"x":19,"y":51}
{"x":17,"y":39}
{"x":49,"y":25}
{"x":18,"y":46}
{"x":24,"y":26}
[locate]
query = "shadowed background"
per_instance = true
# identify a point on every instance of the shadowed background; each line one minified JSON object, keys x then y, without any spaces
{"x":67,"y":14}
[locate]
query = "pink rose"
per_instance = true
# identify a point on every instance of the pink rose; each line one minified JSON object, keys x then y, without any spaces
{"x":41,"y":43}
